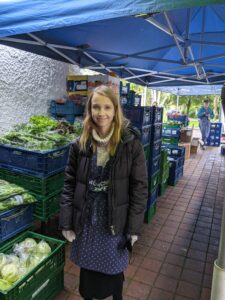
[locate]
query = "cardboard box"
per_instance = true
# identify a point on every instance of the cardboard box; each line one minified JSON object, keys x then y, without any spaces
{"x":77,"y":85}
{"x":186,"y":134}
{"x":187,"y":149}
{"x":97,"y":80}
{"x":194,"y":145}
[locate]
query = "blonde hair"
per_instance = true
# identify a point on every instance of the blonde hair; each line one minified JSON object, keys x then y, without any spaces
{"x":119,"y":120}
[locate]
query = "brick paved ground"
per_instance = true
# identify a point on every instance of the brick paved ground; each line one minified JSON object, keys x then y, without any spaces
{"x":175,"y":254}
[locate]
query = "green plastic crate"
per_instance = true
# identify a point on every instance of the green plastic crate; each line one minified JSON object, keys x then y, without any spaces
{"x":46,"y":207}
{"x":164,"y":172}
{"x":147,"y":151}
{"x":162,"y":188}
{"x":153,"y":182}
{"x":170,"y":140}
{"x":44,"y":186}
{"x":149,"y":214}
{"x":46,"y":279}
{"x":172,"y":125}
{"x":163,"y":157}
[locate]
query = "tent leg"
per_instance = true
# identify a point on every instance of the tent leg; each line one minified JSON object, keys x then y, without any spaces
{"x":218,"y":286}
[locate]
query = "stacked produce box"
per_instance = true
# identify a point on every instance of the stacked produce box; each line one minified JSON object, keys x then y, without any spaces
{"x":215,"y":134}
{"x":176,"y":157}
{"x":31,"y":264}
{"x":171,"y":132}
{"x":164,"y":172}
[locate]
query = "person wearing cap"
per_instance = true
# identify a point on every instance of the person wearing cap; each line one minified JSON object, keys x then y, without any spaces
{"x":205,"y":113}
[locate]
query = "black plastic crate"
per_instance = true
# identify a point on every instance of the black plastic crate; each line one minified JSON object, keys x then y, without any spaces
{"x":154,"y":165}
{"x":155,"y":149}
{"x":138,"y":116}
{"x":156,"y":132}
{"x":157,"y":114}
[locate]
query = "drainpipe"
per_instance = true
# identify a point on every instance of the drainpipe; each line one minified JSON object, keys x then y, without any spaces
{"x":218,"y":282}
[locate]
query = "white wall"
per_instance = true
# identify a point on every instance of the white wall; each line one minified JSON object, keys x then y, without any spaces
{"x":27,"y":84}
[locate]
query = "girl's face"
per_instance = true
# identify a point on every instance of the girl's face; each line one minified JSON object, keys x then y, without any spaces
{"x":102,"y":112}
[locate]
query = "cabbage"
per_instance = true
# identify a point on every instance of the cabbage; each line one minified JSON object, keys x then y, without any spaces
{"x":12,"y":258}
{"x":33,"y":261}
{"x":3,"y":260}
{"x":29,"y":245}
{"x":23,"y":269}
{"x":10,"y":272}
{"x":43,"y":248}
{"x":4,"y":285}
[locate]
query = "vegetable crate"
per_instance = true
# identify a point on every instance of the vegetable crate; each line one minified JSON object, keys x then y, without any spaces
{"x":43,"y":186}
{"x":153,"y":182}
{"x":157,"y":114}
{"x":149,"y":214}
{"x":155,"y":149}
{"x":46,"y":207}
{"x":69,"y":118}
{"x":45,"y":280}
{"x":14,"y":221}
{"x":177,"y":151}
{"x":156,"y":132}
{"x":139,"y":116}
{"x":34,"y":163}
{"x":170,"y":140}
{"x":67,"y":108}
{"x":154,"y":165}
{"x":170,"y":132}
{"x":181,"y":118}
{"x":152,"y":197}
{"x":145,"y":134}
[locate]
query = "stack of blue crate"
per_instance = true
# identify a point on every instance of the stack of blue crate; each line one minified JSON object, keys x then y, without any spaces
{"x":68,"y":110}
{"x":154,"y":161}
{"x":215,"y":135}
{"x":176,"y":157}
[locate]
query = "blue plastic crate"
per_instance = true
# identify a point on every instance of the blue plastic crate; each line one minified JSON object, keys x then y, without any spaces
{"x":145,"y":134}
{"x":34,"y":163}
{"x":175,"y":175}
{"x":216,"y":125}
{"x":157,"y":114}
{"x":155,"y":148}
{"x":66,"y":108}
{"x":134,"y":99}
{"x":154,"y":165}
{"x":181,"y":118}
{"x":69,"y":118}
{"x":215,"y":131}
{"x":139,"y":116}
{"x":124,"y":100}
{"x":171,"y":132}
{"x":152,"y":197}
{"x":15,"y":220}
{"x":223,"y":149}
{"x":174,"y":150}
{"x":213,"y":143}
{"x":124,"y":89}
{"x":156,"y":132}
{"x":214,"y":138}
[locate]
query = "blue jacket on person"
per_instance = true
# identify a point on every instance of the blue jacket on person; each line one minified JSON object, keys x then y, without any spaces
{"x":205,"y":113}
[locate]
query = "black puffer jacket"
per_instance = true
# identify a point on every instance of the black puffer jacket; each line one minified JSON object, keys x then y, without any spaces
{"x":128,"y":187}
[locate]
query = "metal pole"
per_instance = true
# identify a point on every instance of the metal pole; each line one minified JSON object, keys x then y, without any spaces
{"x":218,"y":282}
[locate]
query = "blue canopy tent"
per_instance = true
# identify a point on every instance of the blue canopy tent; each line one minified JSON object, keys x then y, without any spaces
{"x":149,"y":42}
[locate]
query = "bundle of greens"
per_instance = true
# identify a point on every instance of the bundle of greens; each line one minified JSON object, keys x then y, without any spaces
{"x":41,"y":133}
{"x":12,"y":195}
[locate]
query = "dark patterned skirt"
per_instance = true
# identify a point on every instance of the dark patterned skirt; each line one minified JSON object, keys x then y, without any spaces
{"x":98,"y":285}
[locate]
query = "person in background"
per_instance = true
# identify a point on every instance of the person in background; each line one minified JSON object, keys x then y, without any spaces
{"x":204,"y":115}
{"x":104,"y":198}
